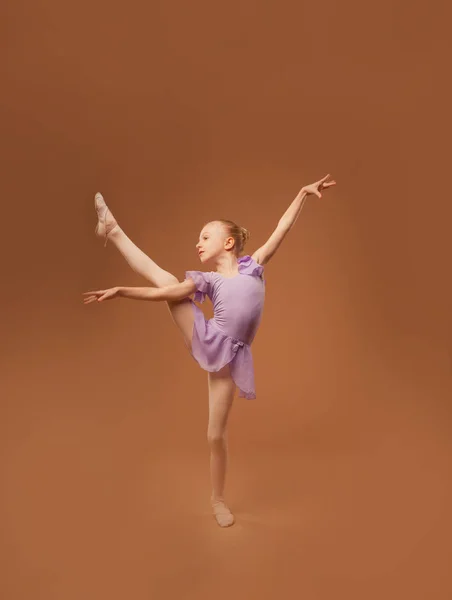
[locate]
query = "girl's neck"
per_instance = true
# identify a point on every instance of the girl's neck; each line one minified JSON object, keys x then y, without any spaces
{"x":227,"y":265}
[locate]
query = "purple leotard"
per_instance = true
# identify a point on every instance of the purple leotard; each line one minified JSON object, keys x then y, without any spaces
{"x":238,"y":303}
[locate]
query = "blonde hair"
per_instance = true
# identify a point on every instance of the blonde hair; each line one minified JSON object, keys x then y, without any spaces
{"x":240,"y":234}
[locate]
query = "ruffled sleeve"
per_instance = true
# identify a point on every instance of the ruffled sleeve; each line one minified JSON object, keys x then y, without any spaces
{"x":248,"y":266}
{"x":202,"y":282}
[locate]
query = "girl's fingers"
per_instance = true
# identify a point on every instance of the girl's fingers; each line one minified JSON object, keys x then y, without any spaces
{"x":324,"y":178}
{"x":105,"y":296}
{"x":98,"y":295}
{"x":95,"y":297}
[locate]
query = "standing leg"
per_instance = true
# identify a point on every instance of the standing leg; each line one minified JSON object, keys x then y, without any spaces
{"x":108,"y":228}
{"x":221,"y":395}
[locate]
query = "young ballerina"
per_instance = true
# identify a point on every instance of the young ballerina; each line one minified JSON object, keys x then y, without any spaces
{"x":220,"y":345}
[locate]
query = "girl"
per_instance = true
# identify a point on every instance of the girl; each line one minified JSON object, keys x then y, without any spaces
{"x":220,"y":345}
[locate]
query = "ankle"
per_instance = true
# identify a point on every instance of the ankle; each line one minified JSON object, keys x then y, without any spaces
{"x":115,"y":231}
{"x":217,"y":499}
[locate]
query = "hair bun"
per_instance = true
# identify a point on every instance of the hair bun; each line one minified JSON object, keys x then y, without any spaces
{"x":240,"y":234}
{"x":245,"y":234}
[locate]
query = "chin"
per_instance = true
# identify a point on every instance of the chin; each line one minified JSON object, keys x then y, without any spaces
{"x":205,"y":258}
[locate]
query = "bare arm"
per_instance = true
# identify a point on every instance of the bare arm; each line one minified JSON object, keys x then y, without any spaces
{"x":263,"y":254}
{"x":285,"y":224}
{"x":169,"y":293}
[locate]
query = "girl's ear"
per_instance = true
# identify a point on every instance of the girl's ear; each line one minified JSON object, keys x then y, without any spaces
{"x":229,"y":243}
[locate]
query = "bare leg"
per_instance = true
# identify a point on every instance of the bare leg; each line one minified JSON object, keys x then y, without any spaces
{"x":181,"y":311}
{"x":221,"y":395}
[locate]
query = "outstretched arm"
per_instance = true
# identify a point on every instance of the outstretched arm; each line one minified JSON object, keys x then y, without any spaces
{"x":288,"y":220}
{"x":169,"y":293}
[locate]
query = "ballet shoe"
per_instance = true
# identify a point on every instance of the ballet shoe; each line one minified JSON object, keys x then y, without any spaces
{"x":105,"y":219}
{"x":222,"y":514}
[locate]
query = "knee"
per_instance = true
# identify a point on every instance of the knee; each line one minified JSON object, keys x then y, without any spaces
{"x":216,"y":440}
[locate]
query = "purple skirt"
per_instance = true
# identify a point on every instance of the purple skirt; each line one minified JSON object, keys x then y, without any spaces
{"x":238,"y":303}
{"x":213,"y":349}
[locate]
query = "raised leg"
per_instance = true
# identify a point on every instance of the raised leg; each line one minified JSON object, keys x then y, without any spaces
{"x":108,"y":228}
{"x":221,"y":395}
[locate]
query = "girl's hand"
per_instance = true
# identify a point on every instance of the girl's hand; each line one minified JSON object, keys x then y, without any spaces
{"x":318,"y":186}
{"x":101,"y":295}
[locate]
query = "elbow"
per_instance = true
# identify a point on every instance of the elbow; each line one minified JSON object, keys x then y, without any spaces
{"x":178,"y":292}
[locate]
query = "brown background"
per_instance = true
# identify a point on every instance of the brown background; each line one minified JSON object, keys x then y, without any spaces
{"x":181,"y":112}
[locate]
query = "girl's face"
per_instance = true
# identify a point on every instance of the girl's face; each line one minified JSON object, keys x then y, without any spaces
{"x":213,"y":241}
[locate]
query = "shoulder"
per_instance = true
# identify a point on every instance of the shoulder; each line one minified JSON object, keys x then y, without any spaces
{"x":248,"y":265}
{"x":202,"y":279}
